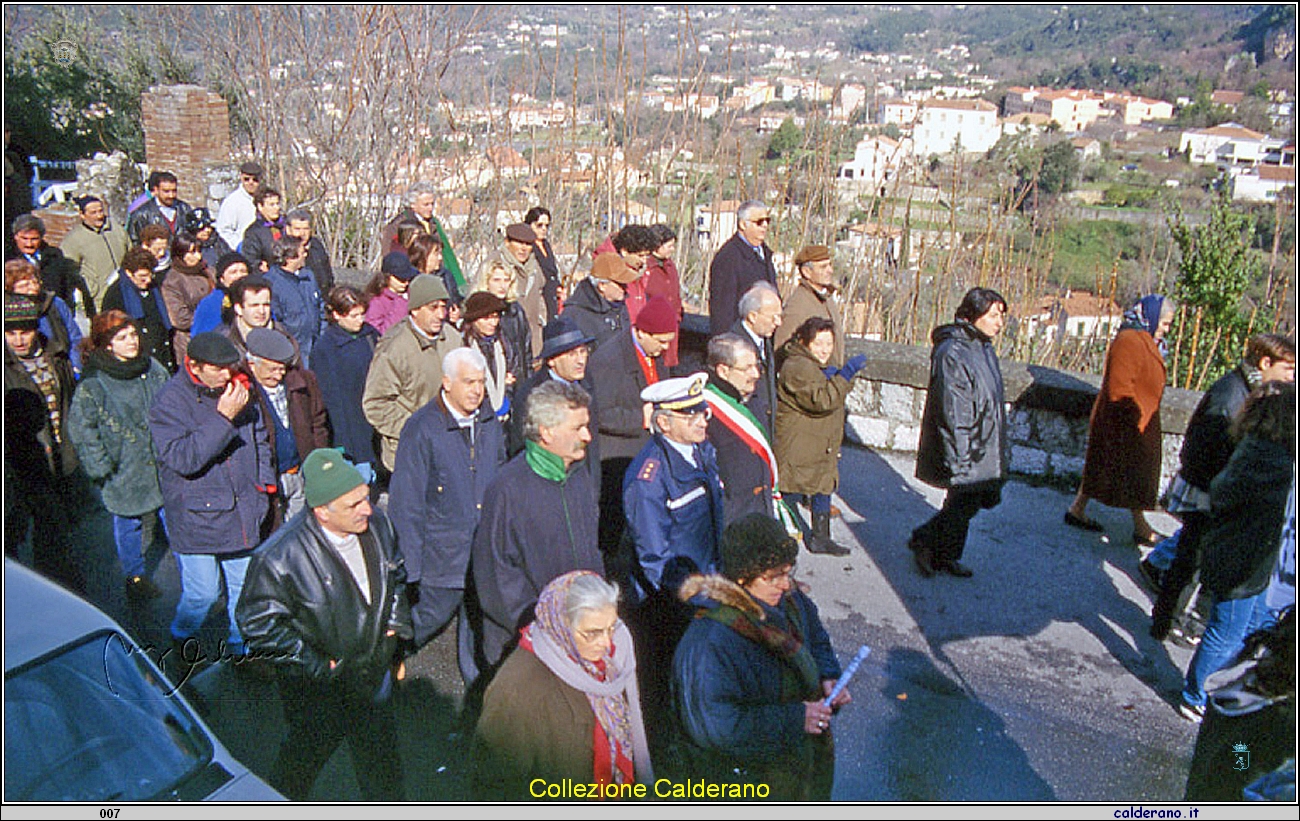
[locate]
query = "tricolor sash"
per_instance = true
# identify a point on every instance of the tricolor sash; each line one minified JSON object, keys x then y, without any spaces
{"x":739,"y":420}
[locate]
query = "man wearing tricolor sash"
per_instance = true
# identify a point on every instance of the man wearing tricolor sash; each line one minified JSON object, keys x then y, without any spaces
{"x":746,"y":462}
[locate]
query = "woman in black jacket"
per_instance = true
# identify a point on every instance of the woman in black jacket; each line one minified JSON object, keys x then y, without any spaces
{"x":1240,"y":545}
{"x":963,"y":431}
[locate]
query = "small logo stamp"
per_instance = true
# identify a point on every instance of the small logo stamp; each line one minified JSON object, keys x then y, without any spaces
{"x":1240,"y":757}
{"x":65,"y":51}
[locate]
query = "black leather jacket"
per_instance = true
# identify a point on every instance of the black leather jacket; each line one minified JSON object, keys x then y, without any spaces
{"x":963,"y":430}
{"x":1208,"y":445}
{"x":301,"y":609}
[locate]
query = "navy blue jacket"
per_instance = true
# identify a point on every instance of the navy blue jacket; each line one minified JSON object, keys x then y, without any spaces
{"x":297,"y":305}
{"x":674,"y":514}
{"x":532,"y":530}
{"x":213,"y":472}
{"x":728,"y":694}
{"x":341,"y":361}
{"x":436,"y":493}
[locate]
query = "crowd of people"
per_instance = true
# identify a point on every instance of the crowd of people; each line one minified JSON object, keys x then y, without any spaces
{"x":614,"y":532}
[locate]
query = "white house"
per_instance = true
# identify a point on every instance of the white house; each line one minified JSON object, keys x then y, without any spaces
{"x":1263,"y":184}
{"x":876,"y":159}
{"x":943,"y":126}
{"x":1204,"y":143}
{"x":901,"y":113}
{"x":1076,"y":315}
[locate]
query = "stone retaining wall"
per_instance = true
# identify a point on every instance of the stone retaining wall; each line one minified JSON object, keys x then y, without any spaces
{"x":1047,"y":411}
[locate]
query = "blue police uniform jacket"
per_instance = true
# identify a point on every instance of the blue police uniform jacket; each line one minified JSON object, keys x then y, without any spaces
{"x":674,"y":513}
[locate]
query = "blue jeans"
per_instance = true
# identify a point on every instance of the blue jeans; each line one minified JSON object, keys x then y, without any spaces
{"x":128,"y":535}
{"x":1231,"y":620}
{"x":201,"y":575}
{"x":1162,"y":555}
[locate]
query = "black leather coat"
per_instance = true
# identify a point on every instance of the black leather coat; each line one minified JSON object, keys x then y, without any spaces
{"x":963,"y":429}
{"x":301,"y":608}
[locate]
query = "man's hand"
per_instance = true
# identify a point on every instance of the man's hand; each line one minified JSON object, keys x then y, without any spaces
{"x":232,"y":401}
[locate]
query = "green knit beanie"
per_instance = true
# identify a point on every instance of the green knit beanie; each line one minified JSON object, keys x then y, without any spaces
{"x":326,"y":476}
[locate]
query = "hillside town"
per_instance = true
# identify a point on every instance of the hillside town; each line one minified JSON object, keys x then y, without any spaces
{"x":463,"y":385}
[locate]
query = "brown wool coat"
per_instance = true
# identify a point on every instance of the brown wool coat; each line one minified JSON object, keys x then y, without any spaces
{"x":1122,"y":463}
{"x":533,"y":725}
{"x":809,"y":423}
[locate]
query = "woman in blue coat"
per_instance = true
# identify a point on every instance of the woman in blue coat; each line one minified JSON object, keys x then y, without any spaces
{"x":341,"y":360}
{"x":752,"y":673}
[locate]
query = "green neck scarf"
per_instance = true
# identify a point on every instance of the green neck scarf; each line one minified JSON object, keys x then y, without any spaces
{"x":544,"y":463}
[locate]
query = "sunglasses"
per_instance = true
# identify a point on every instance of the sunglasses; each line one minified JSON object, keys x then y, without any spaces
{"x":762,"y":221}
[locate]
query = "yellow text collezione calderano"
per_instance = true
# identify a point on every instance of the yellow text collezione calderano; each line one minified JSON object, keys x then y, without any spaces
{"x":662,"y":788}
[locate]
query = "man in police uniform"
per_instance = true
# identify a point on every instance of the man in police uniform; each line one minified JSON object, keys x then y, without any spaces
{"x":673,"y":499}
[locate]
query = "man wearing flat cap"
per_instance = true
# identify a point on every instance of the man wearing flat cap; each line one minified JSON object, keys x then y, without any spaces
{"x":815,"y":295}
{"x":214,"y":467}
{"x":598,"y":304}
{"x":627,"y":364}
{"x":324,"y":602}
{"x":290,"y":401}
{"x":406,"y":371}
{"x":517,"y":256}
{"x":674,"y":503}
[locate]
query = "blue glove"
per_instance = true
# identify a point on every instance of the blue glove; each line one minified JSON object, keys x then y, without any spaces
{"x":504,"y":410}
{"x":830,"y":372}
{"x":852,"y":367}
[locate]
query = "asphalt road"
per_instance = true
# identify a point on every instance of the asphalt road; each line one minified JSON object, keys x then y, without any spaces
{"x":1033,"y":681}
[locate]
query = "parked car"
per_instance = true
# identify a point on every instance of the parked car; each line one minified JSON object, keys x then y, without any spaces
{"x":89,"y":717}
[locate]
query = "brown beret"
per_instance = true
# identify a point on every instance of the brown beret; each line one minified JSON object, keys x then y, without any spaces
{"x":520,"y":233}
{"x":612,"y":267}
{"x":812,"y":253}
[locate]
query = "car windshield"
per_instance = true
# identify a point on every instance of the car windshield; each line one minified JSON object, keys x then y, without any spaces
{"x":96,"y":722}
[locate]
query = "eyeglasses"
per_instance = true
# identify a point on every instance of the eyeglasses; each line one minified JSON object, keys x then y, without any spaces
{"x":762,"y":221}
{"x":590,"y":636}
{"x":250,"y":178}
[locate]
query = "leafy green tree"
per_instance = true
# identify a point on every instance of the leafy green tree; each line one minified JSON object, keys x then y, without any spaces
{"x":1216,"y":268}
{"x":1060,"y":168}
{"x":785,"y":140}
{"x":72,"y":90}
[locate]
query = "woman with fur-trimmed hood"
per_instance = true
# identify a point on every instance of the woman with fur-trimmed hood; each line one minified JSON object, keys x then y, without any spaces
{"x":752,"y":672}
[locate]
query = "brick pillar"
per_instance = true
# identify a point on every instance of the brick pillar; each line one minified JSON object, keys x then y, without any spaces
{"x":186,"y":129}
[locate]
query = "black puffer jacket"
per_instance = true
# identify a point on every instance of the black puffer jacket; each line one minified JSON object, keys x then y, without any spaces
{"x":1207,"y":445}
{"x":963,"y":430}
{"x":301,"y":608}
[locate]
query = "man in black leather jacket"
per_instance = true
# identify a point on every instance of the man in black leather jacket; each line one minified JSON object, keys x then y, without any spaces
{"x":324,"y":600}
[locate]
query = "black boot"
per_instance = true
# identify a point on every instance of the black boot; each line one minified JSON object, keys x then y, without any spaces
{"x":820,"y":540}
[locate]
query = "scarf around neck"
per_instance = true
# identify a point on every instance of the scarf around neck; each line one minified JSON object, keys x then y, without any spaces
{"x":613,"y":695}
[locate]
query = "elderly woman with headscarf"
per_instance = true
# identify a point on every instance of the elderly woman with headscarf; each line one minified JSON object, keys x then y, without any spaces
{"x":752,"y":673}
{"x":564,"y":704}
{"x":1122,"y":462}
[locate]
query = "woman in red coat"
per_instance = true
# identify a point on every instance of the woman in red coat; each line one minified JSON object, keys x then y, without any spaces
{"x":1122,"y":462}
